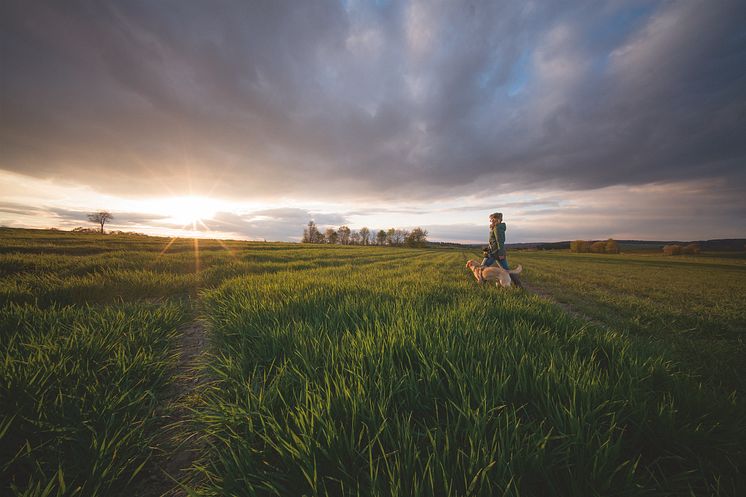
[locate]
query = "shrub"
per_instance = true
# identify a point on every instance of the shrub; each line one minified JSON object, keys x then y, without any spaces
{"x":598,"y":247}
{"x":691,"y":249}
{"x":672,"y":250}
{"x":81,"y":229}
{"x":612,"y":247}
{"x":580,"y":246}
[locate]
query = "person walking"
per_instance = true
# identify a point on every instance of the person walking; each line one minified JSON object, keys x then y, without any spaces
{"x":496,"y":252}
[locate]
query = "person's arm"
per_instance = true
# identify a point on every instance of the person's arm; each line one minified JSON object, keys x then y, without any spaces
{"x":500,"y":234}
{"x":493,"y":242}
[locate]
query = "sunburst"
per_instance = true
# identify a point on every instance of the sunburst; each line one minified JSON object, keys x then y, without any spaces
{"x":190,"y":212}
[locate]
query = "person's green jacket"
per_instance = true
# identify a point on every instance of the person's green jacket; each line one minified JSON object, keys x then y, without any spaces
{"x":497,"y":240}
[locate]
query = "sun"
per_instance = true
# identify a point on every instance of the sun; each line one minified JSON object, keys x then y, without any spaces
{"x":187,"y":210}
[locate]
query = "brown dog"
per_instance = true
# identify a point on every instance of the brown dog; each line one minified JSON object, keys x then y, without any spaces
{"x":492,"y":273}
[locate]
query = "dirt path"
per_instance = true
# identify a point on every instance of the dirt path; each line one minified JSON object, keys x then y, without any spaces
{"x":540,"y":292}
{"x":177,"y":451}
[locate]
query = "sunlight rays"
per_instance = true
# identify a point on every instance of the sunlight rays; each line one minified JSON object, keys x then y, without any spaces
{"x":195,"y":244}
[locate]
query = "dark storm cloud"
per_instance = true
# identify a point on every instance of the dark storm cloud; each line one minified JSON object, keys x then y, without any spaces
{"x":371,"y":100}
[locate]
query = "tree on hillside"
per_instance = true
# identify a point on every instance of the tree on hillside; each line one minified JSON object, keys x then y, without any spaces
{"x":364,"y":235}
{"x":344,"y":235}
{"x":580,"y":246}
{"x":598,"y":247}
{"x":416,"y":238}
{"x":396,"y":237}
{"x":390,"y":234}
{"x":331,"y":236}
{"x":101,"y":218}
{"x":381,"y":237}
{"x":612,"y":247}
{"x":672,"y":249}
{"x":312,"y":234}
{"x":692,"y":248}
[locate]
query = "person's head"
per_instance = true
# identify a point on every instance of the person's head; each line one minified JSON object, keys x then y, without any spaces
{"x":496,"y":217}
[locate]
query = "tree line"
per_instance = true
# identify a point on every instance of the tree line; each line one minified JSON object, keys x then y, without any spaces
{"x":343,"y":235}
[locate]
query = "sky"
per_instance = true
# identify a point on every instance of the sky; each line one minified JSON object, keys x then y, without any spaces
{"x":246,"y":119}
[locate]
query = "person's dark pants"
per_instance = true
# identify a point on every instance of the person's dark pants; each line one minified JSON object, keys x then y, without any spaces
{"x":489,"y":260}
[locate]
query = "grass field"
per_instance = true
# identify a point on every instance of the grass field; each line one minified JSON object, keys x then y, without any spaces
{"x":368,"y":371}
{"x":695,"y":305}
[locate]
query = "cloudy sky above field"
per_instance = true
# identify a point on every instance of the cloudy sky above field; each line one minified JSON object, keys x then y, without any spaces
{"x":577,"y":119}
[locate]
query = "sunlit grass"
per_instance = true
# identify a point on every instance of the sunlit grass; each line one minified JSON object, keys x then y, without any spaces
{"x":403,"y":378}
{"x":695,"y":304}
{"x":363,"y":371}
{"x":79,"y":390}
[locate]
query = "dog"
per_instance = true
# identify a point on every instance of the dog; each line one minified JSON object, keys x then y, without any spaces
{"x":493,"y":273}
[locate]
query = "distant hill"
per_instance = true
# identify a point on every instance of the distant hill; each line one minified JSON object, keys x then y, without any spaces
{"x":718,"y":245}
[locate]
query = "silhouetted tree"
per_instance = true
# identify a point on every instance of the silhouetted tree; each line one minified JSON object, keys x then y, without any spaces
{"x":101,"y":217}
{"x":344,"y":235}
{"x":416,"y":238}
{"x":312,"y":234}
{"x":364,"y":235}
{"x":331,"y":236}
{"x":395,"y":237}
{"x":390,"y":234}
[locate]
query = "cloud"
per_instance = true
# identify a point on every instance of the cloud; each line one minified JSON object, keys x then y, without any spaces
{"x":687,"y":210}
{"x":20,"y":209}
{"x":579,"y":119}
{"x":269,"y":224}
{"x":66,"y":218}
{"x":119,"y":218}
{"x":415,"y":100}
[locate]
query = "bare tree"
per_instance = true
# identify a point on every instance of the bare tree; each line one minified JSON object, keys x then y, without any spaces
{"x":101,"y":217}
{"x":399,"y":236}
{"x":331,"y":236}
{"x":390,"y":234}
{"x":355,"y":238}
{"x":312,"y":234}
{"x":364,"y":235}
{"x":344,"y":235}
{"x":381,"y":237}
{"x":416,"y":238}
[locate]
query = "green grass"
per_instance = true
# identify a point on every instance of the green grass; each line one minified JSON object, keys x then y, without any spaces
{"x":367,"y":371}
{"x":694,"y":304}
{"x":78,"y":394}
{"x":403,"y":378}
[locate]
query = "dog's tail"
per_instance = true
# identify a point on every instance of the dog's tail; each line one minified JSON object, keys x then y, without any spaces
{"x":517,"y":270}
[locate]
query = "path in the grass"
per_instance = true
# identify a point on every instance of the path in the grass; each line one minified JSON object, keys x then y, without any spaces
{"x":540,"y":292}
{"x":178,"y":450}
